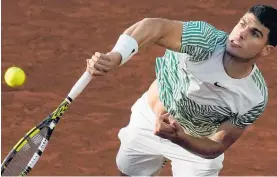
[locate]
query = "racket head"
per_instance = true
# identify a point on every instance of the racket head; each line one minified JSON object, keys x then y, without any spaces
{"x":25,"y":154}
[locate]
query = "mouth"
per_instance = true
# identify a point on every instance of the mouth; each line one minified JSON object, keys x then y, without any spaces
{"x":235,"y":44}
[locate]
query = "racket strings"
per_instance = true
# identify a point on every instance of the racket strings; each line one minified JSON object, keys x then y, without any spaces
{"x":23,"y":157}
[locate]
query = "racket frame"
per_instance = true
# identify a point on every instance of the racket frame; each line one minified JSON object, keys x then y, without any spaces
{"x":50,"y":122}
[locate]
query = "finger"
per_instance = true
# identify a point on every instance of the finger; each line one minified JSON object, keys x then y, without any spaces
{"x":101,"y":55}
{"x":102,"y":59}
{"x":101,"y":67}
{"x":92,"y":70}
{"x":94,"y":58}
{"x":97,"y":54}
{"x":171,"y":119}
{"x":98,"y":73}
{"x":168,"y":128}
{"x":90,"y":62}
{"x":103,"y":62}
{"x":173,"y":127}
{"x":94,"y":62}
{"x":163,"y":116}
{"x":177,"y":126}
{"x":88,"y":66}
{"x":166,"y":120}
{"x":163,"y":127}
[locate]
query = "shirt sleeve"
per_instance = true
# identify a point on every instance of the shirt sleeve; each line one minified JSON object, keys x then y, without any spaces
{"x":249,"y":117}
{"x":199,"y":40}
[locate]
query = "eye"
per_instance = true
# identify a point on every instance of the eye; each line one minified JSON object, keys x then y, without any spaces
{"x":255,"y":34}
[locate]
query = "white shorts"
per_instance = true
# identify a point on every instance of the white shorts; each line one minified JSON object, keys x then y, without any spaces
{"x":142,"y":153}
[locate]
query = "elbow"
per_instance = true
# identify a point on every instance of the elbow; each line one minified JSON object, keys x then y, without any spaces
{"x":154,"y":21}
{"x":152,"y":28}
{"x":155,"y":25}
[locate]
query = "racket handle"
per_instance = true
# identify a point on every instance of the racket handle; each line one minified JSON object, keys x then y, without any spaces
{"x":80,"y":85}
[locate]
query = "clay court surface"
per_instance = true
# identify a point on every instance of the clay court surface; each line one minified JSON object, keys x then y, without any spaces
{"x":51,"y":39}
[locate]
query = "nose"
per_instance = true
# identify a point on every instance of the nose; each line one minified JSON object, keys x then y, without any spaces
{"x":242,"y":34}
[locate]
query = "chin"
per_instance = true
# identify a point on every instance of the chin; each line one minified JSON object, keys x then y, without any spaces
{"x":232,"y":53}
{"x":236,"y":54}
{"x":236,"y":57}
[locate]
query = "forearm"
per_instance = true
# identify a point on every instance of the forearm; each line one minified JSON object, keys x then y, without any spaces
{"x":201,"y":146}
{"x":169,"y":128}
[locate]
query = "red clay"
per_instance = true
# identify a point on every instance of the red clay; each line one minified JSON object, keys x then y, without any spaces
{"x":51,"y":39}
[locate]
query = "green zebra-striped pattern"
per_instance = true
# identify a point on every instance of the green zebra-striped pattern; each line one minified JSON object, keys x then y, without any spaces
{"x":199,"y":40}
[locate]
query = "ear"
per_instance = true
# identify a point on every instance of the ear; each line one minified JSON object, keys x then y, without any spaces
{"x":268,"y":49}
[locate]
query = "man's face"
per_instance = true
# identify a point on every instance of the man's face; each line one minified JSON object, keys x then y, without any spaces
{"x":248,"y":38}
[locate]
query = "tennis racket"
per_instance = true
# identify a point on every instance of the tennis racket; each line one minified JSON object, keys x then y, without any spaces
{"x":26,"y":153}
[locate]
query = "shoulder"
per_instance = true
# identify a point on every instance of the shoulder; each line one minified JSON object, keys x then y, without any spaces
{"x":257,"y":93}
{"x":199,"y":39}
{"x":260,"y":83}
{"x":254,"y":91}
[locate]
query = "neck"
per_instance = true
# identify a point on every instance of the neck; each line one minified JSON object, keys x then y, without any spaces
{"x":237,"y":68}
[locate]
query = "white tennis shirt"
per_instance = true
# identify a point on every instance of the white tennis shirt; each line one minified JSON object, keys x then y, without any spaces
{"x":195,"y":89}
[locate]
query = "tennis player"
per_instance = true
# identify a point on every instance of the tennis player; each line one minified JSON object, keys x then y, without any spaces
{"x":208,"y":90}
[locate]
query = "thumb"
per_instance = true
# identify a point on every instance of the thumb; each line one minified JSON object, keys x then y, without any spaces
{"x":101,"y":55}
{"x":98,"y":54}
{"x":166,"y":115}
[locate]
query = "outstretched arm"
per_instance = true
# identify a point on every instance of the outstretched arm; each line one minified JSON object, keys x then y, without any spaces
{"x":163,"y":32}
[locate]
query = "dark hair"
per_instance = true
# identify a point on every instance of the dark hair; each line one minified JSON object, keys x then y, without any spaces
{"x":267,"y":16}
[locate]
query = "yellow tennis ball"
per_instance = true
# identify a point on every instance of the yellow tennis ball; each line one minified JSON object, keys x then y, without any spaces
{"x":15,"y":76}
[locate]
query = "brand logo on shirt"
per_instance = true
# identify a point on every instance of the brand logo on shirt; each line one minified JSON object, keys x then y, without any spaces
{"x":216,"y":84}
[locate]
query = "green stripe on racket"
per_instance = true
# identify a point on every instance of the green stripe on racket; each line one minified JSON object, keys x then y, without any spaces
{"x":26,"y":153}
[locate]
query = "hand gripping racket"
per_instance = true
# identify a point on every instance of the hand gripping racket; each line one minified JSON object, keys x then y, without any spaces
{"x":25,"y":154}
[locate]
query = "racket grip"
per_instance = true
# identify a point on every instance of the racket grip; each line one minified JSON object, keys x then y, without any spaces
{"x":80,"y":85}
